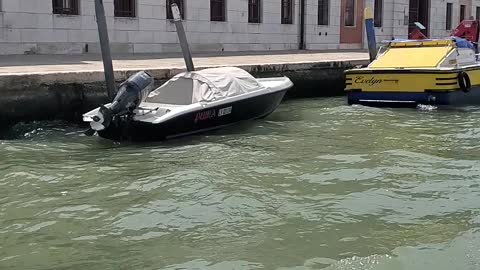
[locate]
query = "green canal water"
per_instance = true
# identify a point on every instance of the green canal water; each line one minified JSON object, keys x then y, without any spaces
{"x":316,"y":185}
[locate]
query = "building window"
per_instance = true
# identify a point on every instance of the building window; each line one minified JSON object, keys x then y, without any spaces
{"x":350,"y":13}
{"x":169,"y":8}
{"x":462,"y":12}
{"x":287,"y":12}
{"x":124,"y":8}
{"x":254,"y":11}
{"x":378,"y":13}
{"x":67,"y":7}
{"x":323,"y":12}
{"x":477,"y":13}
{"x":448,"y":25}
{"x":217,"y":10}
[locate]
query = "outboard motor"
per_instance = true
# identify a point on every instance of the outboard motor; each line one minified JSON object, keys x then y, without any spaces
{"x":132,"y":92}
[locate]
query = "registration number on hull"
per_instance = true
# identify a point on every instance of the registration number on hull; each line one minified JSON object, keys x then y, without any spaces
{"x":210,"y":114}
{"x":225,"y":111}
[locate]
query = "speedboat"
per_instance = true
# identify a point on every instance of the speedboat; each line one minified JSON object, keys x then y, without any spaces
{"x":191,"y":102}
{"x":426,"y":71}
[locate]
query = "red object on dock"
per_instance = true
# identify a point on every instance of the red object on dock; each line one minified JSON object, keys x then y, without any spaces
{"x":468,"y":29}
{"x":416,"y":34}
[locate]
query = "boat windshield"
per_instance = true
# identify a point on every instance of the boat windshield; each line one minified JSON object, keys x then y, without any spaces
{"x":205,"y":86}
{"x":411,"y":57}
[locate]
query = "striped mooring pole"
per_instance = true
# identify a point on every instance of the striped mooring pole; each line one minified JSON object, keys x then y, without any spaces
{"x":370,"y":29}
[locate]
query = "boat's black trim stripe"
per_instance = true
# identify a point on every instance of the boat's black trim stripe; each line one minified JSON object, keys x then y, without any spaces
{"x":387,"y":91}
{"x":447,"y":83}
{"x":396,"y":71}
{"x":446,"y":79}
{"x":441,"y":91}
{"x":215,"y":127}
{"x":415,"y":46}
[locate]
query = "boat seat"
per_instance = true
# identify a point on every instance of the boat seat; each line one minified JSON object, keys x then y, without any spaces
{"x":153,"y":106}
{"x":150,"y":110}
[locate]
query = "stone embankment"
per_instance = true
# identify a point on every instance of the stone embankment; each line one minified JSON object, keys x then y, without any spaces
{"x":38,"y":87}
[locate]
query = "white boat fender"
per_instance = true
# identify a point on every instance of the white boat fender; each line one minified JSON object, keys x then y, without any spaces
{"x":464,"y":82}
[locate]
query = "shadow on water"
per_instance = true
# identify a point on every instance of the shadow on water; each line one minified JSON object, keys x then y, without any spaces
{"x":40,"y":130}
{"x":315,"y":184}
{"x":64,"y":131}
{"x":274,"y":124}
{"x":54,"y":129}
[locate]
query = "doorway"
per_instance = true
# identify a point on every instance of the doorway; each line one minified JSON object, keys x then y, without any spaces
{"x":419,"y":11}
{"x":351,"y":22}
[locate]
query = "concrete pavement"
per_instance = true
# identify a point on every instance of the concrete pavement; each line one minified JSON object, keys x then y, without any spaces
{"x":88,"y":68}
{"x":47,"y":64}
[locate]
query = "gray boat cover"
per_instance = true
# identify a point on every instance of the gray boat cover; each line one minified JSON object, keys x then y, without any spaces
{"x":205,"y":86}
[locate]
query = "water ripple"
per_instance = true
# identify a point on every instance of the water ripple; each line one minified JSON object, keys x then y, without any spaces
{"x":317,"y":184}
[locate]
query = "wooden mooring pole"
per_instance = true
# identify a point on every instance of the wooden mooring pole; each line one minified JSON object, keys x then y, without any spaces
{"x":105,"y":47}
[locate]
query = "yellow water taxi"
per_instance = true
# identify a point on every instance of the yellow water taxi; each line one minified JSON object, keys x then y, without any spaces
{"x":413,"y":72}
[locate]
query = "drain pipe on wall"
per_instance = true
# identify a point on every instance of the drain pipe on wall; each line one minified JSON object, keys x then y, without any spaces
{"x":301,"y":46}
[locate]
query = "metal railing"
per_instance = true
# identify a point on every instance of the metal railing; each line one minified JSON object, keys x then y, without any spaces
{"x":125,"y":8}
{"x":67,"y":7}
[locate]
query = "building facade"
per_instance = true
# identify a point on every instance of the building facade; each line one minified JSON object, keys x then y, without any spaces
{"x":145,"y":26}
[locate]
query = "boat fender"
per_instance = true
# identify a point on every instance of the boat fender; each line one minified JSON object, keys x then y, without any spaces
{"x":464,"y":82}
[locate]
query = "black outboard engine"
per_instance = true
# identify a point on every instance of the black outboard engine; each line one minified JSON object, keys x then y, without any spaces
{"x":132,"y":92}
